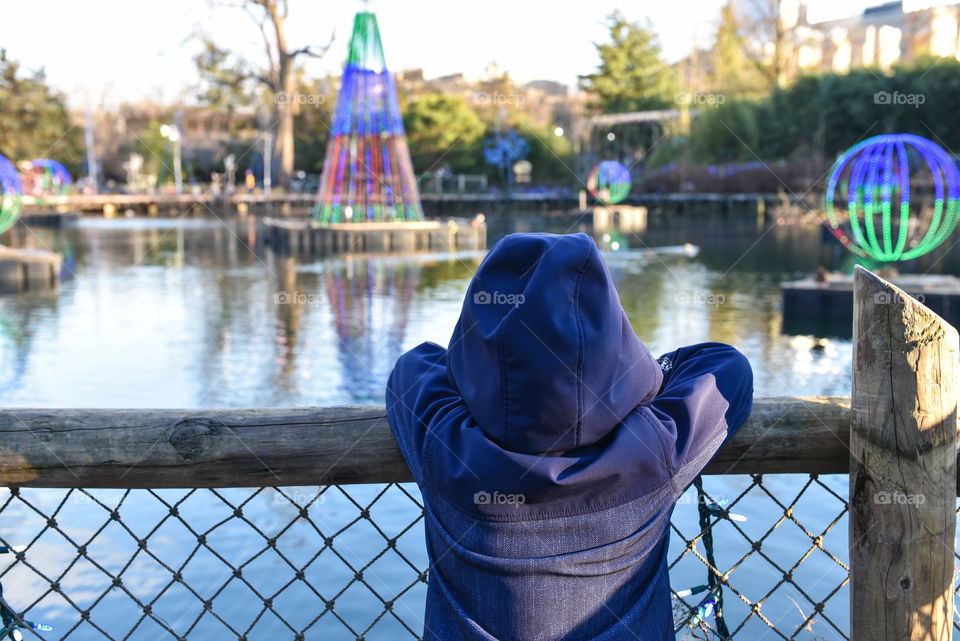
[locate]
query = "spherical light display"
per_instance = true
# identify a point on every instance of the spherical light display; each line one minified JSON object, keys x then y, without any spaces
{"x":893,"y":197}
{"x":609,"y":182}
{"x":11,"y":194}
{"x":55,"y":179}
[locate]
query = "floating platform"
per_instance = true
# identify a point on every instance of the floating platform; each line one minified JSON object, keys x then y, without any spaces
{"x":624,"y":218}
{"x":825,"y":307}
{"x":301,"y":236}
{"x":28,"y":269}
{"x":47,"y":217}
{"x":626,"y":256}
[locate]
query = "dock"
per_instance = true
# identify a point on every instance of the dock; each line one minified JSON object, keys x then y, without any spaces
{"x":28,"y":270}
{"x":457,"y":204}
{"x":301,"y":236}
{"x":624,"y":218}
{"x":817,"y":306}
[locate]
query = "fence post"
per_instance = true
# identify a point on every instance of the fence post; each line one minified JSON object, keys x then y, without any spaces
{"x":903,"y":440}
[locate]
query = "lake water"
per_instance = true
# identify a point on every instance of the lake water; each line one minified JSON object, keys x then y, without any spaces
{"x":195,"y":314}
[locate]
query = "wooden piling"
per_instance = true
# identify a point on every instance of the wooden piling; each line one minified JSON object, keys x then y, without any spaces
{"x":12,"y":277}
{"x":377,"y":240}
{"x":404,"y":242}
{"x":41,"y":272}
{"x":903,"y":441}
{"x":625,"y":218}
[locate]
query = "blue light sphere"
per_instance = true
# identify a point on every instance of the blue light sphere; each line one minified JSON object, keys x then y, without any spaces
{"x":609,"y":182}
{"x":11,"y":194}
{"x":876,"y":179}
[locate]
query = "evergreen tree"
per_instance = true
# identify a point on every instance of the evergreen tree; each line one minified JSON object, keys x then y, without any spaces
{"x":632,"y":75}
{"x":442,"y":130}
{"x":733,"y":72}
{"x":34,"y":120}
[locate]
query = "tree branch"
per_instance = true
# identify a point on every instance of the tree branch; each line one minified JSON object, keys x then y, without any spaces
{"x":261,"y":25}
{"x":308,"y":50}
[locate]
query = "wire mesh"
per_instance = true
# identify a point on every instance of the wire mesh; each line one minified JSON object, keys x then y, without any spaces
{"x":778,"y":574}
{"x":349,"y":562}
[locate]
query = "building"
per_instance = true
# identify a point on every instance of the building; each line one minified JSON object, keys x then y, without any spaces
{"x":880,"y":36}
{"x":207,"y":132}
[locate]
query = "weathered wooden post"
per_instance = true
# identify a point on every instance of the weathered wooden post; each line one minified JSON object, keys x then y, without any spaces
{"x":12,"y":275}
{"x":404,"y":240}
{"x":903,"y":440}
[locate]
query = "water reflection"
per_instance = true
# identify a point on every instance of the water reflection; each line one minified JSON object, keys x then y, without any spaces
{"x":14,"y":346}
{"x":366,"y":302}
{"x":195,"y":313}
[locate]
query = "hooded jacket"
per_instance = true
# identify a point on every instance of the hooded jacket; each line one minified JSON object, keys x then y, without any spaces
{"x":550,"y":448}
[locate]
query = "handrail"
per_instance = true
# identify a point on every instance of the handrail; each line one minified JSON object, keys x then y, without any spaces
{"x":156,"y":448}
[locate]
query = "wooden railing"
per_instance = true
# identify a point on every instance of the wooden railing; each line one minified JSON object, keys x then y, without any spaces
{"x":336,"y":445}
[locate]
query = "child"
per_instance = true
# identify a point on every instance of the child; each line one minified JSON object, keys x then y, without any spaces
{"x":550,"y":447}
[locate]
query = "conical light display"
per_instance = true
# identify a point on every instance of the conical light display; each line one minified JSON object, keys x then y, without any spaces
{"x":367,"y":174}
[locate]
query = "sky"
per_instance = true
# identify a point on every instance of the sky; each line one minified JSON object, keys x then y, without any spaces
{"x":108,"y":51}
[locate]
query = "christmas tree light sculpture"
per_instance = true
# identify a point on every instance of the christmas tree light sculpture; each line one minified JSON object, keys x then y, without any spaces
{"x":367,"y":174}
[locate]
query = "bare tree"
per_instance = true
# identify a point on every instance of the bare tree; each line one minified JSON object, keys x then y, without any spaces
{"x":278,"y":77}
{"x":771,"y":27}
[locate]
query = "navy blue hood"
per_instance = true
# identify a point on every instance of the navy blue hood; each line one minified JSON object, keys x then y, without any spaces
{"x":543,"y":354}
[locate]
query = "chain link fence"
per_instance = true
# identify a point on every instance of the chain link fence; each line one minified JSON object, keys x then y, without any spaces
{"x":755,"y":567}
{"x":752,"y":557}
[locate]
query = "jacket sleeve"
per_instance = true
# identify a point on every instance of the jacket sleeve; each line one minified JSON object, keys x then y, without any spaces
{"x":418,"y":391}
{"x":706,"y":395}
